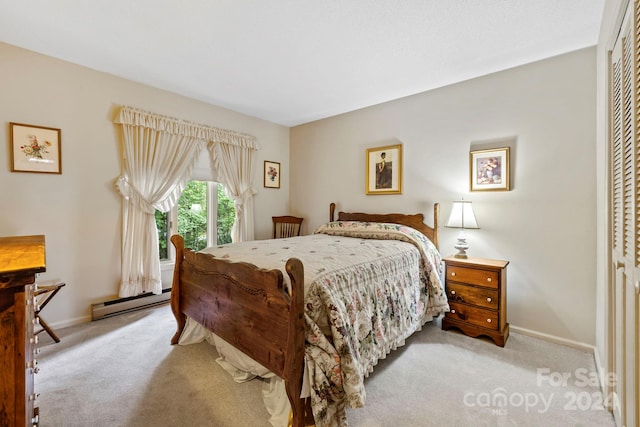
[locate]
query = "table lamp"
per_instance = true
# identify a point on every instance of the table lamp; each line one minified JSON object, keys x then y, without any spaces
{"x":462,"y":217}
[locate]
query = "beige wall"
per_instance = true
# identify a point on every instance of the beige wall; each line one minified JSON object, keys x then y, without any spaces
{"x":545,"y":226}
{"x":79,"y":211}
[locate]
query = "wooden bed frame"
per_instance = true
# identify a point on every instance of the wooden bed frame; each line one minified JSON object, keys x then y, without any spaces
{"x":249,"y":308}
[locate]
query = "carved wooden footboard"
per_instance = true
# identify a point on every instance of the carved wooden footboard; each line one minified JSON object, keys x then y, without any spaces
{"x":249,"y":307}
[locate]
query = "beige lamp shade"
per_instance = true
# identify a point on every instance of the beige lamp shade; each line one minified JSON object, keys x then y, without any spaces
{"x":462,"y":216}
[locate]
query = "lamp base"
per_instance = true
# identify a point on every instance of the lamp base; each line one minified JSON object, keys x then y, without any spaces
{"x":461,"y":245}
{"x":461,"y":254}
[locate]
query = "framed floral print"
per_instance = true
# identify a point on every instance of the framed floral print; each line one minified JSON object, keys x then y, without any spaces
{"x":35,"y":149}
{"x":489,"y":170}
{"x":271,"y":174}
{"x":384,"y":170}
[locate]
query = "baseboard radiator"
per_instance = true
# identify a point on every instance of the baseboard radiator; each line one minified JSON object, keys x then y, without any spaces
{"x":127,"y":305}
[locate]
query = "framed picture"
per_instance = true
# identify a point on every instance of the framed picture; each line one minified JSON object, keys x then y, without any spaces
{"x":35,"y":149}
{"x":271,"y":174}
{"x":384,"y":170}
{"x":489,"y":170}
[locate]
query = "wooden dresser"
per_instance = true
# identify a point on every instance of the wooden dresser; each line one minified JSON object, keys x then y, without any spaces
{"x":477,"y":293}
{"x":21,"y":259}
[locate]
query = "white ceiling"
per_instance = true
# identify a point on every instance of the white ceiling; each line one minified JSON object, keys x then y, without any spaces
{"x":295,"y":61}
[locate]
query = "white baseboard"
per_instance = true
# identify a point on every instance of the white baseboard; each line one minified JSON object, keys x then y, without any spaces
{"x":552,"y":338}
{"x":70,"y":322}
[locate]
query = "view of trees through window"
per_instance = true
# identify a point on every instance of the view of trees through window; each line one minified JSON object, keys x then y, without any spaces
{"x":226,"y":216}
{"x":192,"y":214}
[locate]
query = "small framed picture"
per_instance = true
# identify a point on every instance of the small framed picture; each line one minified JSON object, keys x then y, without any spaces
{"x":489,"y":170}
{"x":384,"y":170}
{"x":271,"y":174}
{"x":35,"y":149}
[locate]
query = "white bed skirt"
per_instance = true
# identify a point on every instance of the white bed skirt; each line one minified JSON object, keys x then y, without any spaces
{"x":242,"y":368}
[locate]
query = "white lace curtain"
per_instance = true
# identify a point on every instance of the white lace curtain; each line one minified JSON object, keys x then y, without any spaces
{"x":234,"y":166}
{"x":158,"y":156}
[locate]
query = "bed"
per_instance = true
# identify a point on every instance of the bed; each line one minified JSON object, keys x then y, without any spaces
{"x":320,"y":334}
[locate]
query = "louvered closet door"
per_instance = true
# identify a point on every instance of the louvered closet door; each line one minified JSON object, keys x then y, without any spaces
{"x":623,"y":296}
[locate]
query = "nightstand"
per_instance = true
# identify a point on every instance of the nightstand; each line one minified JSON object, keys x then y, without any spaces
{"x":477,"y":293}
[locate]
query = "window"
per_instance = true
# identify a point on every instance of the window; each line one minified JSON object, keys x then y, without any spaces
{"x":201,"y":204}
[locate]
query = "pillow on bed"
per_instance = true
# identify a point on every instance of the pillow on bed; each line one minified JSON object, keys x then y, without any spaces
{"x":241,"y":367}
{"x":369,"y":230}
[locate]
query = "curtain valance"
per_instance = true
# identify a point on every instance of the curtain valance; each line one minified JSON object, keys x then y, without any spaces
{"x":136,"y":117}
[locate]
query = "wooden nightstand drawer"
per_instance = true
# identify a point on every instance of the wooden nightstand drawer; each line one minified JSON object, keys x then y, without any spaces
{"x":482,"y":297}
{"x":473,"y":276}
{"x":476,"y":316}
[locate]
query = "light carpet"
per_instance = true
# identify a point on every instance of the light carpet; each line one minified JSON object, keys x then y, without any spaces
{"x":122,"y":371}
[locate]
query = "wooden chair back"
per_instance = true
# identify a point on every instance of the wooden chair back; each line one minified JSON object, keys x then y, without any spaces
{"x":286,"y":226}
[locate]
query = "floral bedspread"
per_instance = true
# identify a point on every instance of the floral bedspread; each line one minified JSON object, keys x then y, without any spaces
{"x":368,"y":286}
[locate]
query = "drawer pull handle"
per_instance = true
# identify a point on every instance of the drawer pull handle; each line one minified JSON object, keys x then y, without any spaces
{"x":488,"y":320}
{"x":489,"y":299}
{"x":453,"y":273}
{"x":488,"y":279}
{"x":453,"y":292}
{"x":460,"y":315}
